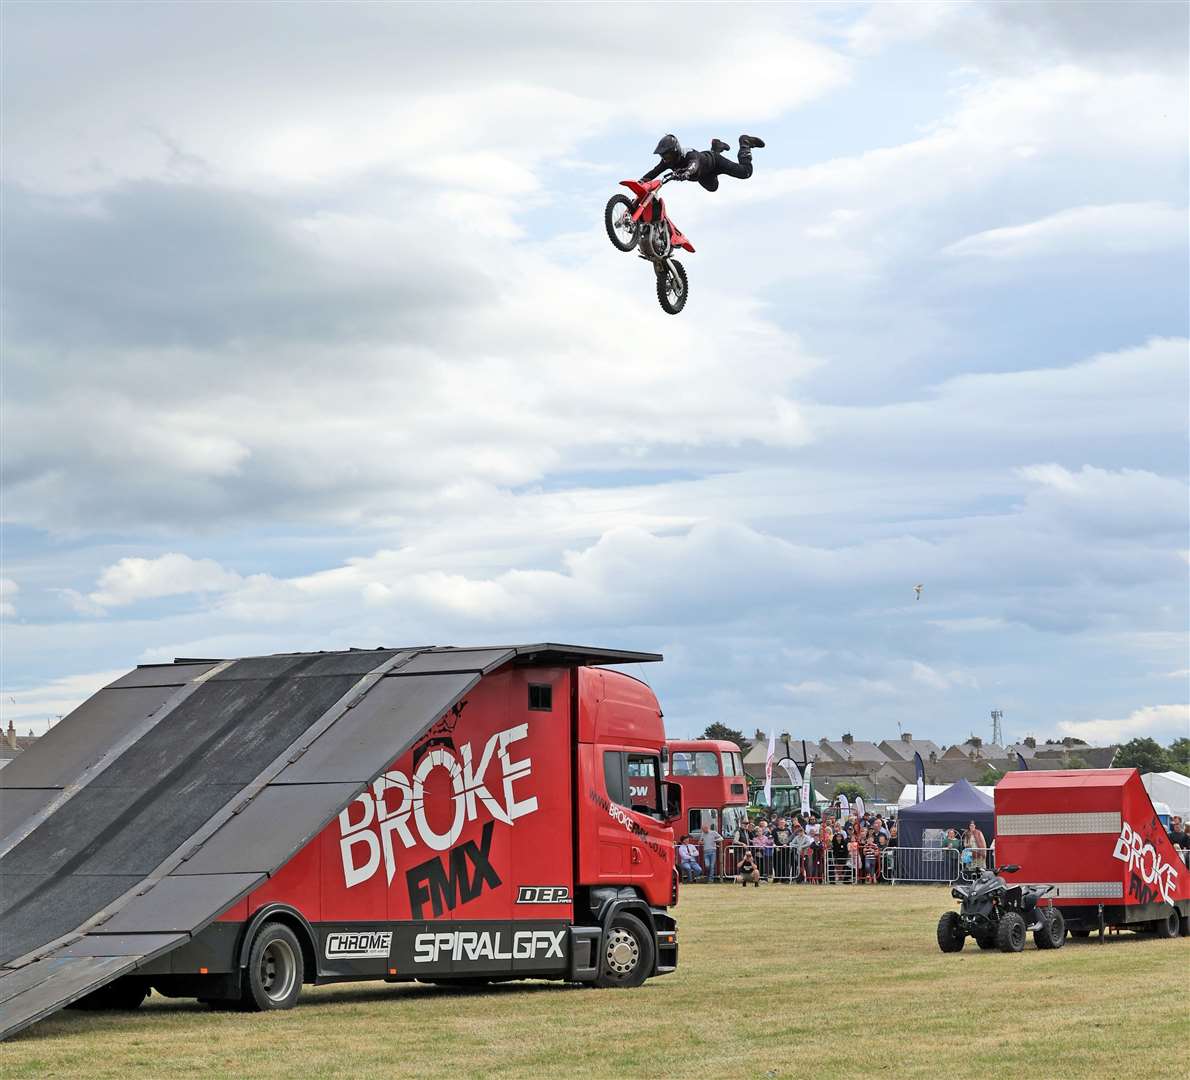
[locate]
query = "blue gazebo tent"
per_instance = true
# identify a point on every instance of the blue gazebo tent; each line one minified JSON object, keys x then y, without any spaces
{"x":957,"y":805}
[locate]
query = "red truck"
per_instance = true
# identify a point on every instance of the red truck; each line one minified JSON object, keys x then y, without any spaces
{"x":509,"y":842}
{"x":1093,"y":834}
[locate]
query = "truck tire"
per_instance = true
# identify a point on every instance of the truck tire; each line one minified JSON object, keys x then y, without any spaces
{"x":626,"y":953}
{"x":950,"y":932}
{"x":1052,"y":934}
{"x":123,"y":995}
{"x":1170,"y":926}
{"x":275,"y":969}
{"x":1010,"y":934}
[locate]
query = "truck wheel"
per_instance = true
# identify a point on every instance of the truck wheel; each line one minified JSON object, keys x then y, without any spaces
{"x":950,"y":932}
{"x":274,"y":969}
{"x":1010,"y":934}
{"x":123,"y":995}
{"x":1052,"y":934}
{"x":1170,"y":926}
{"x":627,"y":956}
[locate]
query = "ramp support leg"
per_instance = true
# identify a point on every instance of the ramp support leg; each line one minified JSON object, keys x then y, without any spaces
{"x":1101,"y":924}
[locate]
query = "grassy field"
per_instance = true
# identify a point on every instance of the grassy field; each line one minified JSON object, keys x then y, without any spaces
{"x":773,"y":982}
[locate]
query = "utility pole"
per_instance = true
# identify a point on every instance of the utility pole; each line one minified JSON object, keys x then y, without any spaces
{"x":997,"y":730}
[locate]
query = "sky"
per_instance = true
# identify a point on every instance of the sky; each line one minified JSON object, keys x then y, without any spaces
{"x":312,"y":339}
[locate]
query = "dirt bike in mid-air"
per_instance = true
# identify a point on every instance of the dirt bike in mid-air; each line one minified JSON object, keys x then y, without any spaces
{"x":642,"y":223}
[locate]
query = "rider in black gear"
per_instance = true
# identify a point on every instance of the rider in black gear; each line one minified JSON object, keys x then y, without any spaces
{"x":705,"y":166}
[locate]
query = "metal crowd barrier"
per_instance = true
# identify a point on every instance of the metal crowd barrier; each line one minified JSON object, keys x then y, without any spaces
{"x":790,"y":865}
{"x":898,"y":865}
{"x":922,"y":866}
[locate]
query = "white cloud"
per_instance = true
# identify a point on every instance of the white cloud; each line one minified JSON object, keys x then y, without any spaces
{"x":8,"y":589}
{"x":941,"y":680}
{"x":1161,"y":722}
{"x":173,"y":574}
{"x":1117,"y":229}
{"x":808,"y":687}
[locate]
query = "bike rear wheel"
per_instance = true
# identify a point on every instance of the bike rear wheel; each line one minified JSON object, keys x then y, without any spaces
{"x":622,"y":231}
{"x":672,"y":287}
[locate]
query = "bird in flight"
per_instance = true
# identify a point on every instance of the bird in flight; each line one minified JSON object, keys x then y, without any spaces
{"x":917,"y":591}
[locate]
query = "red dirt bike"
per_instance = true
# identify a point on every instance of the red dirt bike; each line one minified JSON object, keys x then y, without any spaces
{"x":642,"y":222}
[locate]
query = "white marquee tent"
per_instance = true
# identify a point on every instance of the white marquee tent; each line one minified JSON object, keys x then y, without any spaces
{"x":1171,"y":788}
{"x":909,"y":793}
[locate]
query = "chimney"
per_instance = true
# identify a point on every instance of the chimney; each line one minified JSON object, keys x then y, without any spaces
{"x":906,"y":736}
{"x":10,"y":736}
{"x":847,"y":740}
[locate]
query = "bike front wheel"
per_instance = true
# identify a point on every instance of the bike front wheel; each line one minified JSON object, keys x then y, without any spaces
{"x":622,"y":231}
{"x":672,"y":287}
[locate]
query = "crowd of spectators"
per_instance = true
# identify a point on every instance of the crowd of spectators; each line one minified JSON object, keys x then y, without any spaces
{"x":797,"y":848}
{"x":811,"y":847}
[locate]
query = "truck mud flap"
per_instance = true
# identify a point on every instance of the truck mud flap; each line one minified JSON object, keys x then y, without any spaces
{"x":584,"y":953}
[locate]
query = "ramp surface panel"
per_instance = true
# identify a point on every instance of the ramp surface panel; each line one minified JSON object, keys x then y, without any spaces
{"x":163,"y":675}
{"x":251,"y":841}
{"x":80,"y":739}
{"x":354,"y":749}
{"x":180,"y":903}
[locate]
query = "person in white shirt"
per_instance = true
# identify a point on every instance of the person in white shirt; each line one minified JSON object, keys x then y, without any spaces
{"x":688,"y":860}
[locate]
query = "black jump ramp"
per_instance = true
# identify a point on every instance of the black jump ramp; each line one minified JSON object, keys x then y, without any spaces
{"x":179,"y":788}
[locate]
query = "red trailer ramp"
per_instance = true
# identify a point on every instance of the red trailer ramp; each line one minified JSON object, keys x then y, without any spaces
{"x":1094,"y":835}
{"x":178,"y":788}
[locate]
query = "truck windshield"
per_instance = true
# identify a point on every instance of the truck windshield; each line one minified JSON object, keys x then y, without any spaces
{"x":694,"y":763}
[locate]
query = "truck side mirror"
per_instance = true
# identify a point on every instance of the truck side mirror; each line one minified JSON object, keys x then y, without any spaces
{"x":672,"y":794}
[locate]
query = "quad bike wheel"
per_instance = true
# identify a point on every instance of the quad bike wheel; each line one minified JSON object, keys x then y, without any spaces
{"x":1052,"y":934}
{"x":1010,"y":934}
{"x":1080,"y":934}
{"x":622,"y":231}
{"x":986,"y":941}
{"x":672,"y":289}
{"x":950,"y":932}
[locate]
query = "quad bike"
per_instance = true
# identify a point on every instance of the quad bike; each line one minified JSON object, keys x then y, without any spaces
{"x":997,"y":915}
{"x":642,"y":223}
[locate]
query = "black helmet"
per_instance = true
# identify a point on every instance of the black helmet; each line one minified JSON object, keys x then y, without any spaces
{"x":670,"y":150}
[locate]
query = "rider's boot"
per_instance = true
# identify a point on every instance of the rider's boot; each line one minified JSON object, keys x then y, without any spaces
{"x":718,"y":146}
{"x":748,"y":142}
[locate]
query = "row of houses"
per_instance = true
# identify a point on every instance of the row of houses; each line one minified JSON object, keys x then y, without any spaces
{"x":12,"y":744}
{"x":883,"y":769}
